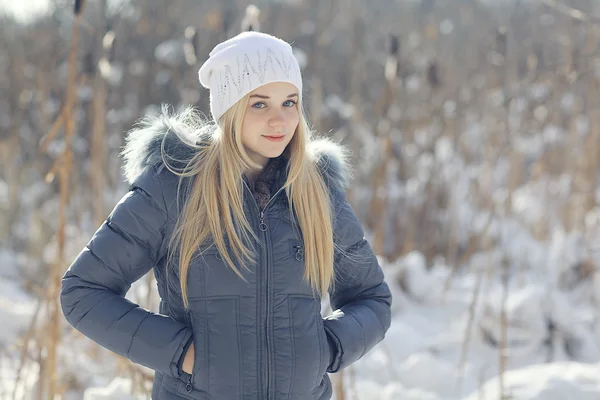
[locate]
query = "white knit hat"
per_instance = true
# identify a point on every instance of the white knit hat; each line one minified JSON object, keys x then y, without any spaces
{"x":243,"y":63}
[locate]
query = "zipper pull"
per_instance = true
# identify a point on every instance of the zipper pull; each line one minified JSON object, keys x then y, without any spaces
{"x":188,"y":386}
{"x":299,"y":253}
{"x":262,"y":226}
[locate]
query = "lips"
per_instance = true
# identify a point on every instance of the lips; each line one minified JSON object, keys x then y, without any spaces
{"x":274,"y":138}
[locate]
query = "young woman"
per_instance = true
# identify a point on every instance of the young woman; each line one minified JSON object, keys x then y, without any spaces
{"x":244,"y":220}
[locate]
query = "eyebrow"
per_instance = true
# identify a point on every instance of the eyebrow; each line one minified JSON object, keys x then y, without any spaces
{"x":260,"y":96}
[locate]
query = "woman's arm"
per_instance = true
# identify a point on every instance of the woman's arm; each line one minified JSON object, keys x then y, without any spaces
{"x":361,"y":299}
{"x":125,"y":248}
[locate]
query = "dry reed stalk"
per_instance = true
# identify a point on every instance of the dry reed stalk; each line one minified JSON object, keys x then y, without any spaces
{"x":63,"y":163}
{"x":25,"y":345}
{"x":54,"y":129}
{"x":485,"y":243}
{"x":98,"y":140}
{"x":467,"y":337}
{"x":503,"y":346}
{"x":42,"y":363}
{"x":352,"y":382}
{"x":377,"y":214}
{"x":379,"y":203}
{"x":338,"y":386}
{"x":453,"y":232}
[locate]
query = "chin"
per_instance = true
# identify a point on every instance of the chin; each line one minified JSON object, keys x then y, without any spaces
{"x":272,"y":153}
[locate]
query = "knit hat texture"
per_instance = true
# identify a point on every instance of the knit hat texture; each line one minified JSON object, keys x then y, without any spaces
{"x":243,"y":63}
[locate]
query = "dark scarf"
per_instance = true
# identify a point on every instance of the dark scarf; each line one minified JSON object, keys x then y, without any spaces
{"x":264,"y":186}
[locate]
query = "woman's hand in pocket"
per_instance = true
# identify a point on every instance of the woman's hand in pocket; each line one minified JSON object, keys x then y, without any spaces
{"x":188,"y":361}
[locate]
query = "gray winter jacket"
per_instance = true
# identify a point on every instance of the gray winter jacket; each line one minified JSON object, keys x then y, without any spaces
{"x":260,"y":339}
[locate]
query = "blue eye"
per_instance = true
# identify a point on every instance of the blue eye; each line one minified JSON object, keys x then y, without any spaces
{"x":291,"y":103}
{"x":260,"y":103}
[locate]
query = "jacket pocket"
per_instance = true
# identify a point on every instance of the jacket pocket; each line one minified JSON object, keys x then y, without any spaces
{"x":217,"y":366}
{"x":307,"y":341}
{"x":213,"y":277}
{"x":196,"y":384}
{"x":324,"y":349}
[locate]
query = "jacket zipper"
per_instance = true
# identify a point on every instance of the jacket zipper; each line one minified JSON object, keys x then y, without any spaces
{"x":189,"y":385}
{"x":262,"y":226}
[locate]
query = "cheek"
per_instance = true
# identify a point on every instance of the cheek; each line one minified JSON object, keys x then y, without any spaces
{"x":294,"y":120}
{"x":244,"y":132}
{"x":249,"y":131}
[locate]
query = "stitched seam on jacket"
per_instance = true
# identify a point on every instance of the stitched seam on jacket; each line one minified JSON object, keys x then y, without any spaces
{"x":128,"y":237}
{"x":362,"y":332}
{"x":320,"y":333}
{"x":293,"y":347}
{"x":159,"y":384}
{"x":135,"y":333}
{"x":239,"y":337}
{"x":153,"y":201}
{"x":148,"y":197}
{"x":126,"y":285}
{"x":123,"y":315}
{"x":90,"y":310}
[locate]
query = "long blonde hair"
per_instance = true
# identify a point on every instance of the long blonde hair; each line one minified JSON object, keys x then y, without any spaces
{"x":213,"y":209}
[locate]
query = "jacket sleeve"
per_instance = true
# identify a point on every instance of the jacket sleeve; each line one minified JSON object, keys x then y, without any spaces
{"x":361,"y":299}
{"x":127,"y":245}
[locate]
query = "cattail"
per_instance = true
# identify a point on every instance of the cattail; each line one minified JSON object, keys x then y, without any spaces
{"x":393,"y":45}
{"x":108,"y":45}
{"x":501,"y":40}
{"x":78,"y":6}
{"x":190,"y":46}
{"x":251,"y":19}
{"x":532,"y":62}
{"x":433,"y":75}
{"x":89,"y":68}
{"x":392,"y":63}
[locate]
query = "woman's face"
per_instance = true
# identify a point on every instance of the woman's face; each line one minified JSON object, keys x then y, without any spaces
{"x":270,"y":121}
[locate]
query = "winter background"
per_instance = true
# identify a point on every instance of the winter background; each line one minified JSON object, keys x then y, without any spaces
{"x":475,"y":127}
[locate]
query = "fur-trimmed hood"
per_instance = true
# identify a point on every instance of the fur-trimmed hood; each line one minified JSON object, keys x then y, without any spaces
{"x":143,"y":146}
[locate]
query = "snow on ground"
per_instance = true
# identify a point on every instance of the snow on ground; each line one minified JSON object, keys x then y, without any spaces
{"x":556,"y":381}
{"x":16,"y":311}
{"x":118,"y":389}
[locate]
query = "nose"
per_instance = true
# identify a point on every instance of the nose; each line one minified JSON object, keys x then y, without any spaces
{"x":277,"y":119}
